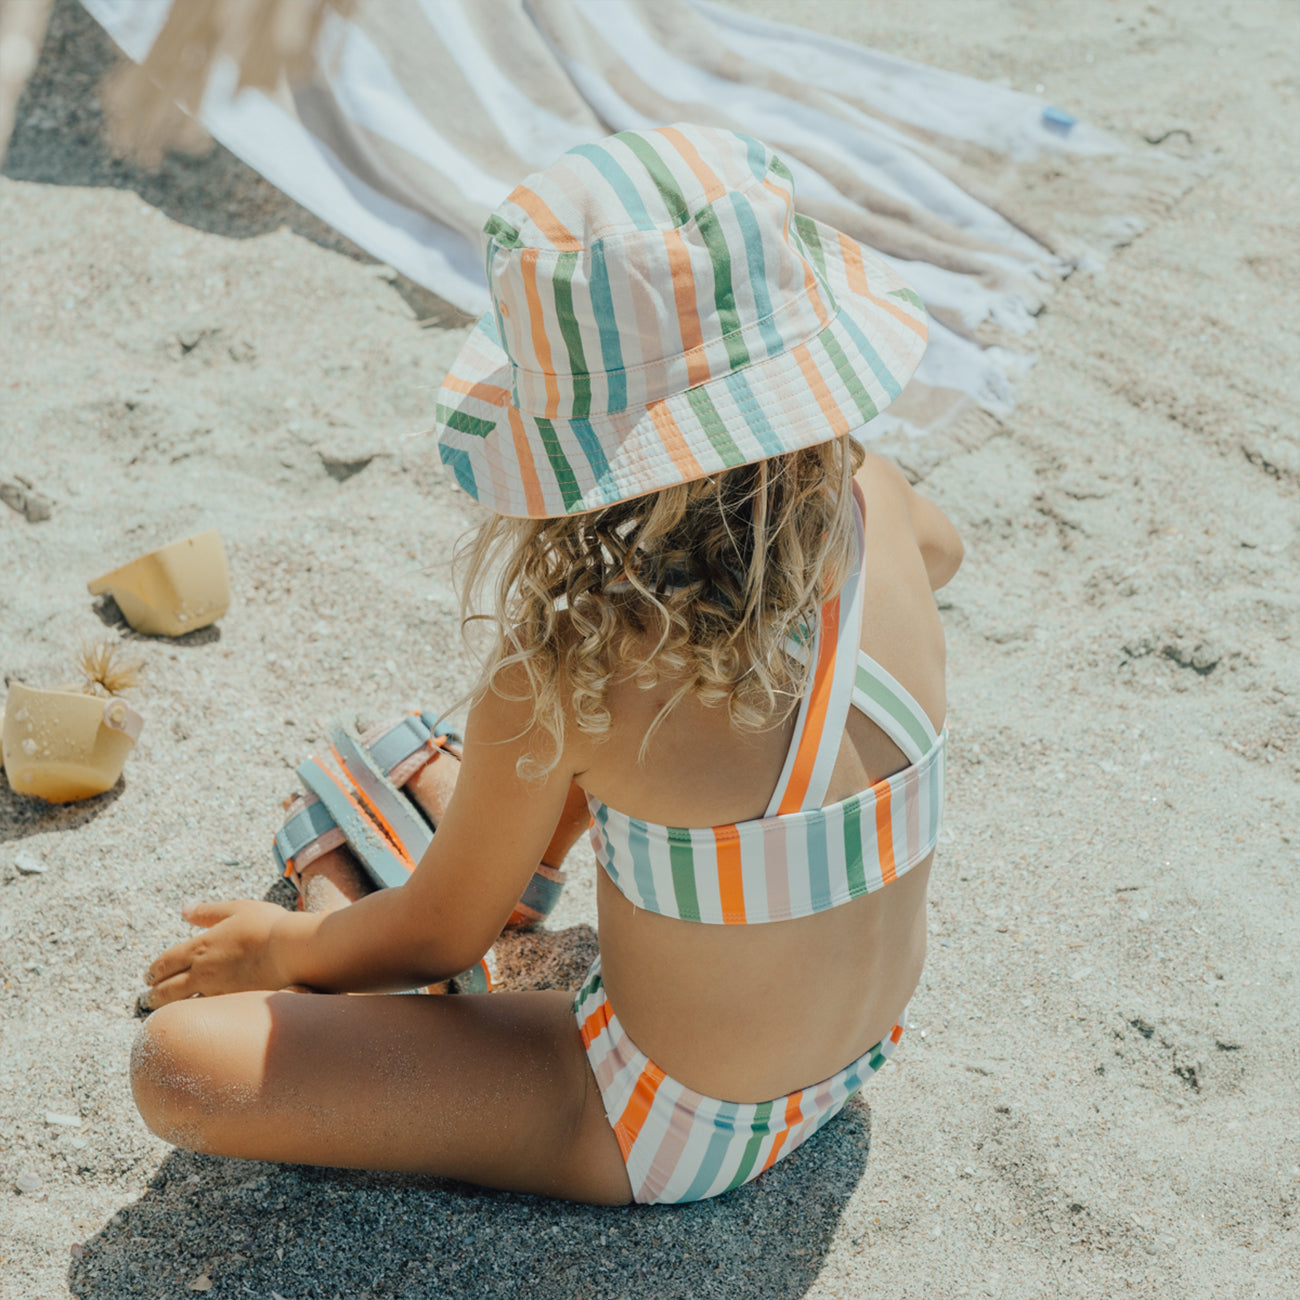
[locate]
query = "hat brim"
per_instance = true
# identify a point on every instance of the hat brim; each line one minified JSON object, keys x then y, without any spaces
{"x":834,"y":383}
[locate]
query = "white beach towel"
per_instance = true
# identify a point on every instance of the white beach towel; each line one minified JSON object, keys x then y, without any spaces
{"x":421,"y":115}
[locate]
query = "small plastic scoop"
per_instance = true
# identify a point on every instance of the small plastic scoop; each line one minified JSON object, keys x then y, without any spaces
{"x":63,"y":745}
{"x":177,"y":589}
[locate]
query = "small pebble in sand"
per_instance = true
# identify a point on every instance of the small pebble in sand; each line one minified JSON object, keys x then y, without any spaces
{"x":20,"y":494}
{"x":63,"y":1119}
{"x":28,"y":1182}
{"x":201,"y":1283}
{"x":28,"y":865}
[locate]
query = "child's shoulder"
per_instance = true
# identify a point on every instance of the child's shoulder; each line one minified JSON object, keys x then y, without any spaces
{"x":895,"y":510}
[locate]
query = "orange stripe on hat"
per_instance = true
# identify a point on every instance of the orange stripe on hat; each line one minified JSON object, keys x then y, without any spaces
{"x":885,"y":833}
{"x":541,"y":344}
{"x":830,"y":407}
{"x":674,"y":444}
{"x":785,"y":197}
{"x":793,"y":1114}
{"x":489,"y":393}
{"x":546,"y":221}
{"x":688,"y":312}
{"x":819,"y":698}
{"x":714,"y":189}
{"x":731,"y":884}
{"x":857,"y":275}
{"x":809,"y":279}
{"x":628,"y":1127}
{"x":527,"y":469}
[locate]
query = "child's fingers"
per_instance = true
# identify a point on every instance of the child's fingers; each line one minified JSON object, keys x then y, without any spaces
{"x":172,"y":962}
{"x":208,"y":912}
{"x":176,"y":989}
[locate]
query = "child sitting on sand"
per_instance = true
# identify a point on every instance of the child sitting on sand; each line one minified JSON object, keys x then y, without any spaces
{"x":716,"y":636}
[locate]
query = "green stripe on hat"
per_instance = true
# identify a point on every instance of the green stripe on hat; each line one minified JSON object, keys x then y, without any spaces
{"x":714,"y":429}
{"x":724,"y":293}
{"x":669,"y":190}
{"x":565,"y":264}
{"x":464,"y":423}
{"x":907,"y":296}
{"x":807,"y":228}
{"x":866,"y":407}
{"x":570,"y":493}
{"x":499,"y":229}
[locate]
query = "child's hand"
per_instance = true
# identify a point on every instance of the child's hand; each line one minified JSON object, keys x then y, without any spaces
{"x":236,"y":951}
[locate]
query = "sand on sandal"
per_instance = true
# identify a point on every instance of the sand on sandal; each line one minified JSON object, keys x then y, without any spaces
{"x":1098,"y":1094}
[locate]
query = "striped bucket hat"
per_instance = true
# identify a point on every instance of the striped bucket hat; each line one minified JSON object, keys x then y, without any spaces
{"x":662,"y":312}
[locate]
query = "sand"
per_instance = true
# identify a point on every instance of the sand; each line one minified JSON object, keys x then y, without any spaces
{"x":1098,"y":1096}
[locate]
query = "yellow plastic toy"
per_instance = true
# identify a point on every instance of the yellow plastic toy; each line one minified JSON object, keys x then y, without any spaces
{"x":65,"y":745}
{"x":174,"y":590}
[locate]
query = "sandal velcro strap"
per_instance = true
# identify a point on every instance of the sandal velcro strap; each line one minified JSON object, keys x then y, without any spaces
{"x":400,"y":750}
{"x":304,"y":827}
{"x":380,"y":857}
{"x":478,"y":979}
{"x":386,"y":803}
{"x":539,"y":898}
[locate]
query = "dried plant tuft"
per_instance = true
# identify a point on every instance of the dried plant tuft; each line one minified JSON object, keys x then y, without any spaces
{"x":104,"y":670}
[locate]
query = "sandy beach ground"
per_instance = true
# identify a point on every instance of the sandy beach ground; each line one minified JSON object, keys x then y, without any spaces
{"x":1099,"y":1094}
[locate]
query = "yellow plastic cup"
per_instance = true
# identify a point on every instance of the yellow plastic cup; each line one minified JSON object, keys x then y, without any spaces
{"x":176,"y":589}
{"x":62,"y":745}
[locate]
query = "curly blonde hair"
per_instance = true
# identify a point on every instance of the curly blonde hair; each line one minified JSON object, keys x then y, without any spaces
{"x":700,"y":584}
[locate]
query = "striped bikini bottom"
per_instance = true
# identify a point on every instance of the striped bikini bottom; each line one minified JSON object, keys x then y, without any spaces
{"x":680,"y":1145}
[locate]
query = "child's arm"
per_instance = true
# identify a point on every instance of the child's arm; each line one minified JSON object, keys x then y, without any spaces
{"x":938,"y":540}
{"x":438,"y":924}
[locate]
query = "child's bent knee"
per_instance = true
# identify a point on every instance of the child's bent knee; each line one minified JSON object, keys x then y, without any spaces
{"x":167,"y":1075}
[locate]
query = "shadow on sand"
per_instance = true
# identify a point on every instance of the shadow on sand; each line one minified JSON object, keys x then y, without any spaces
{"x":296,"y":1232}
{"x":22,"y":815}
{"x":59,"y":140}
{"x":299,"y":1233}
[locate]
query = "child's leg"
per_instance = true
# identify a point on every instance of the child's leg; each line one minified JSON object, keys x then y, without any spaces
{"x":494,"y":1090}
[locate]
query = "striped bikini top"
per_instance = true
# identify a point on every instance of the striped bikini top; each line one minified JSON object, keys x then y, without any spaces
{"x":799,"y":858}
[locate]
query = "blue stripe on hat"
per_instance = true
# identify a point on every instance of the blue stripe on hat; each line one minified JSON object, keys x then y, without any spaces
{"x":756,"y":155}
{"x":595,"y":454}
{"x":748,"y":224}
{"x":611,"y":351}
{"x":461,"y":467}
{"x":747,"y":405}
{"x":619,"y":182}
{"x":874,"y":360}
